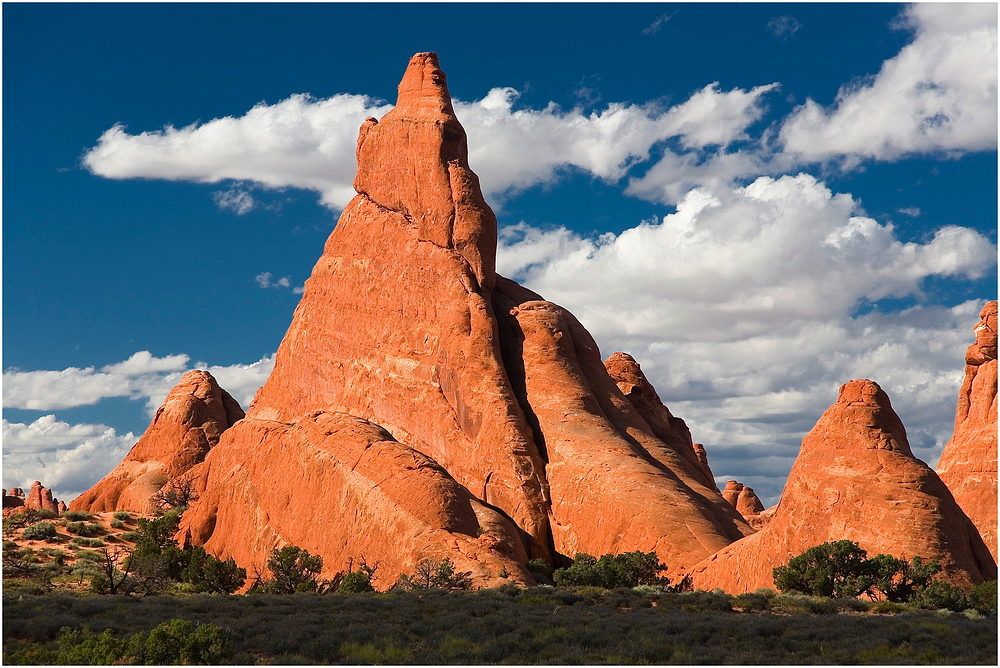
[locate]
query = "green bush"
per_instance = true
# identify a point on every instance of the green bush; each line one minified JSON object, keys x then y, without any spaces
{"x":130,"y":536}
{"x":76,"y":515}
{"x":208,"y":574}
{"x":629,"y":569}
{"x":85,"y":529}
{"x":39,"y":531}
{"x":88,"y":542}
{"x":839,"y":568}
{"x":983,"y":597}
{"x":357,"y":582}
{"x":541,"y":570}
{"x":177,"y":642}
{"x":292,"y":569}
{"x":941,"y":595}
{"x":431,"y":574}
{"x":122,"y":516}
{"x":88,"y":555}
{"x":117,"y":524}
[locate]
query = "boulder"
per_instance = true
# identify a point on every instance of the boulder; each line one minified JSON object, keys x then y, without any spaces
{"x":856,"y":479}
{"x":405,"y":326}
{"x":968,"y":464}
{"x":186,"y":426}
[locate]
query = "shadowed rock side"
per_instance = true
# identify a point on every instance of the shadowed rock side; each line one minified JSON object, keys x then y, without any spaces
{"x":627,"y":374}
{"x":969,"y":462}
{"x":613,"y":485}
{"x":856,"y":479}
{"x":184,"y":429}
{"x":398,"y":326}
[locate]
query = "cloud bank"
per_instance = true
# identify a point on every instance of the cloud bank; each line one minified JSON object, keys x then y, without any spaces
{"x":742,"y":309}
{"x":70,"y":458}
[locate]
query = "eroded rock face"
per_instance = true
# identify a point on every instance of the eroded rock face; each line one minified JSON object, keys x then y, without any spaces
{"x":189,"y":423}
{"x":691,"y":457}
{"x":855,"y":478}
{"x":405,"y":325}
{"x":40,"y":498}
{"x":743,"y":499}
{"x":969,"y":462}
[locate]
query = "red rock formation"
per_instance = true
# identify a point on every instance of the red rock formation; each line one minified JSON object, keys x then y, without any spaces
{"x":969,"y":462}
{"x":16,"y":491}
{"x":856,"y":479}
{"x":40,"y":498}
{"x":10,"y":501}
{"x":61,"y":508}
{"x":691,"y":458}
{"x":743,"y":499}
{"x":184,"y":429}
{"x":405,"y":325}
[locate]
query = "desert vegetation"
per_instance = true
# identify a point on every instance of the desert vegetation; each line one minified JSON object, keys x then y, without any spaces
{"x":142,"y":599}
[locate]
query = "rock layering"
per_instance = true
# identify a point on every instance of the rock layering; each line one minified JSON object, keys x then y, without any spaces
{"x":437,"y":409}
{"x":969,"y":462}
{"x":189,"y":423}
{"x":855,"y":478}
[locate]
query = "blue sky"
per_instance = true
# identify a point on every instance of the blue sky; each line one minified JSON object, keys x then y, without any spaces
{"x":758,"y":201}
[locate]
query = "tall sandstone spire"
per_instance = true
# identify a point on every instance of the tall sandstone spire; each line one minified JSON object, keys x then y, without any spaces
{"x":969,"y":462}
{"x":186,"y":426}
{"x":856,"y":479}
{"x":500,"y":434}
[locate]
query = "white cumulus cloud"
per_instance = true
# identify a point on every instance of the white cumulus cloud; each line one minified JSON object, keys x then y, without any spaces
{"x":307,"y":143}
{"x":142,"y":376}
{"x":939,"y":94}
{"x":742,"y":308}
{"x":69,"y":458}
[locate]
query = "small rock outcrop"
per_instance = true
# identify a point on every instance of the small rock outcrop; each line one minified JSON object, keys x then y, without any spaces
{"x":189,"y":423}
{"x":969,"y":462}
{"x":495,"y":399}
{"x":40,"y":498}
{"x":855,"y":478}
{"x":743,"y":499}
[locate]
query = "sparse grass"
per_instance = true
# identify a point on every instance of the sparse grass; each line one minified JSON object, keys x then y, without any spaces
{"x":544,"y":625}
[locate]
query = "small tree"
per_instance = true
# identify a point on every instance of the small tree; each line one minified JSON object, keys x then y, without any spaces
{"x":176,"y":494}
{"x":839,"y":569}
{"x":899,"y":580}
{"x":111,"y":579}
{"x":209,"y":574}
{"x":293,"y":569}
{"x":357,"y":581}
{"x":629,"y":569}
{"x":431,"y":574}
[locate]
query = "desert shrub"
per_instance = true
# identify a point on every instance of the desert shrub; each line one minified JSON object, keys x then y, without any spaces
{"x":122,"y":516}
{"x":629,"y":569}
{"x":431,"y":574}
{"x":87,"y":555}
{"x":130,"y":536}
{"x":941,"y":595}
{"x":177,"y":642}
{"x":117,"y":524}
{"x":887,"y":608}
{"x":292,"y":569}
{"x":983,"y":597}
{"x":751,"y":602}
{"x":897,"y":579}
{"x":209,"y":574}
{"x":87,"y":542}
{"x":541,"y":570}
{"x":76,"y":516}
{"x":839,"y":568}
{"x":46,"y":514}
{"x":39,"y":531}
{"x":85,"y":529}
{"x":359,"y":581}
